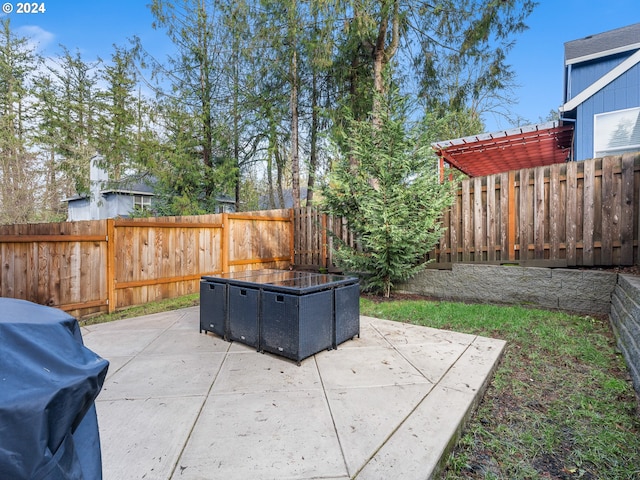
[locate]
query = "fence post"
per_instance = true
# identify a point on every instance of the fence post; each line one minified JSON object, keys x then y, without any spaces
{"x":111,"y":265}
{"x":511,"y":232}
{"x":224,"y":240}
{"x":323,"y":247}
{"x":292,"y":236}
{"x":626,"y":229}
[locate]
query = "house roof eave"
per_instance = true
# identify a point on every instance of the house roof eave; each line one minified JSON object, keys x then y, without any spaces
{"x":601,"y":83}
{"x":126,"y":192}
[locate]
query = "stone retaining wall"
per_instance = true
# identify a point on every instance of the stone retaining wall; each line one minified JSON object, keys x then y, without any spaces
{"x":580,"y":291}
{"x":625,"y":319}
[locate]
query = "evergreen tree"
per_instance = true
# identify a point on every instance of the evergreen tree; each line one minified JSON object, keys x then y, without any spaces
{"x":194,"y":81}
{"x":116,"y":136}
{"x":270,"y":95}
{"x":74,"y":118}
{"x":236,"y":20}
{"x":47,"y":137}
{"x":17,"y":164}
{"x":318,"y":49}
{"x":461,"y":59}
{"x":395,"y":217}
{"x":177,"y":169}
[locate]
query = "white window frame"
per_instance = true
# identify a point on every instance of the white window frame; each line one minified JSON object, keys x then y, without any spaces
{"x":606,"y":124}
{"x":142,"y":202}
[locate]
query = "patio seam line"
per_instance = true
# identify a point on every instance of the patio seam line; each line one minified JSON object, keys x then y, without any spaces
{"x":144,"y":399}
{"x":136,"y":354}
{"x":333,"y":420}
{"x":140,"y":355}
{"x":121,"y":367}
{"x":452,"y":365}
{"x":433,"y":386}
{"x":420,"y":371}
{"x":488,"y":377}
{"x":388,"y":437}
{"x":162,"y":332}
{"x":383,"y":336}
{"x":197,"y":417}
{"x":132,"y":357}
{"x":468,"y":411}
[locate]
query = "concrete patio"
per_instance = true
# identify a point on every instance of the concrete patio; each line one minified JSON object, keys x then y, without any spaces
{"x":178,"y":404}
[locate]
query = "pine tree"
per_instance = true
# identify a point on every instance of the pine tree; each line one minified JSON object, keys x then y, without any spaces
{"x":47,"y":137}
{"x":116,"y":138}
{"x":74,"y":84}
{"x":391,"y":196}
{"x":17,"y":170}
{"x":177,"y":169}
{"x":194,"y":81}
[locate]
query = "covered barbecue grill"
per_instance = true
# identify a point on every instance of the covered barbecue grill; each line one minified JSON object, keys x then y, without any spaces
{"x":48,"y":383}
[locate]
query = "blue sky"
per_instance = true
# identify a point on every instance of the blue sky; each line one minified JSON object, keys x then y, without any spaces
{"x":94,"y":26}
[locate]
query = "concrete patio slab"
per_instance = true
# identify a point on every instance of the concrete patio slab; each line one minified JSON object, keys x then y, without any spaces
{"x":365,"y":418}
{"x":178,"y":404}
{"x":142,"y":438}
{"x":279,"y":434}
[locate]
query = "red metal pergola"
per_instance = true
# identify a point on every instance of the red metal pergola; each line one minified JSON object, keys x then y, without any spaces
{"x":524,"y":147}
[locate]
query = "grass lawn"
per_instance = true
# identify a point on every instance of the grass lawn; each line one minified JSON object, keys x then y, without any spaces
{"x":146,"y":309}
{"x":561,"y":404}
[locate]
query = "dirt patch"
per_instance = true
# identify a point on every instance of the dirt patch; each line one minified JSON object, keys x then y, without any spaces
{"x":631,"y":270}
{"x":554,"y":468}
{"x":397,"y":296}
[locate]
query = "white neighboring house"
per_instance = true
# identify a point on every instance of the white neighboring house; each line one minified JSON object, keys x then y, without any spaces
{"x":109,"y":199}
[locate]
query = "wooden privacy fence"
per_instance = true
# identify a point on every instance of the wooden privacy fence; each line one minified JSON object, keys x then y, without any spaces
{"x":315,"y":237}
{"x":570,"y":214}
{"x":87,"y":267}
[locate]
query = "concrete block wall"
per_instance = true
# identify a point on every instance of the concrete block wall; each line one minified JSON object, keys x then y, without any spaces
{"x":625,"y":319}
{"x":580,"y":291}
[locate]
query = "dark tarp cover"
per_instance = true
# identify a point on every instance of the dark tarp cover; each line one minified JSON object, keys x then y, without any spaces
{"x":48,"y":383}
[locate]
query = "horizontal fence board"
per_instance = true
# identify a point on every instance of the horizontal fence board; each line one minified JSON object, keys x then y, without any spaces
{"x":88,"y":267}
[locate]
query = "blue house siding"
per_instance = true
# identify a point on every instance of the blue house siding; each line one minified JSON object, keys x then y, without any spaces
{"x":584,"y":74}
{"x":623,"y":92}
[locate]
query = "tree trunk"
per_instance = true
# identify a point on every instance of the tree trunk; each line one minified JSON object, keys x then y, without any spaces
{"x":383,"y":53}
{"x":315,"y":125}
{"x":280,"y":177}
{"x":295,"y":160}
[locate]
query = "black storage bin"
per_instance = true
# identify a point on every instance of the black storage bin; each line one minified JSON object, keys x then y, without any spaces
{"x":213,"y":308}
{"x":296,"y":326}
{"x":347,"y":313}
{"x":244,"y":315}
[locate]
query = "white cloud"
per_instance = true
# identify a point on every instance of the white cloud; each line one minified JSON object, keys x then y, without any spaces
{"x":39,"y":38}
